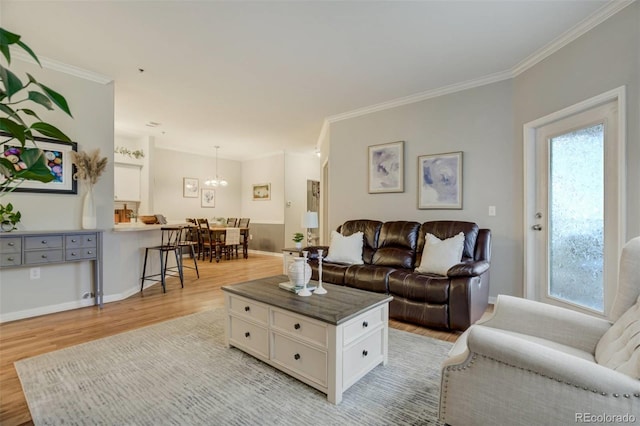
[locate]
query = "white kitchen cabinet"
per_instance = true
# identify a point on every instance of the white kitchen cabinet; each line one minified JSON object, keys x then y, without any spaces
{"x":127,"y":182}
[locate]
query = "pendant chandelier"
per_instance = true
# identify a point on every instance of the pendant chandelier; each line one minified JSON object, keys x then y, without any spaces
{"x":217,"y":181}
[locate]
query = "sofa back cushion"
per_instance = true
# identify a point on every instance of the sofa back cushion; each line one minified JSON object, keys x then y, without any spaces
{"x":397,"y":244}
{"x":444,"y":229}
{"x":370,"y":230}
{"x":619,"y":347}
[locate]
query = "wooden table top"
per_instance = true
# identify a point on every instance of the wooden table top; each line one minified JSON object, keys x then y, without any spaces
{"x":339,"y":305}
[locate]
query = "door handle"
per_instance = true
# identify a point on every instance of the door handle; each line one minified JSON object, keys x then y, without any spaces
{"x":537,"y":227}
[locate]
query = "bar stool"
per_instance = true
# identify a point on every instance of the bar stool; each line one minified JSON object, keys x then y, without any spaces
{"x":191,"y":239}
{"x":171,"y":236}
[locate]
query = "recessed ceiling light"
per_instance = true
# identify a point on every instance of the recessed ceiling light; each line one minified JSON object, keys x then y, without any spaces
{"x":152,"y":124}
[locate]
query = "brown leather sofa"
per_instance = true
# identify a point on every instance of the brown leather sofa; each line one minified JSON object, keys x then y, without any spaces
{"x":391,"y":251}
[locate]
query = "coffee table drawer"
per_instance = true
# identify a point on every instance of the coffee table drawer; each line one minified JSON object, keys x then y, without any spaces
{"x":302,"y":359}
{"x":300,"y":327}
{"x":249,"y":309}
{"x":249,"y":336}
{"x":363,"y":324}
{"x":361,"y":357}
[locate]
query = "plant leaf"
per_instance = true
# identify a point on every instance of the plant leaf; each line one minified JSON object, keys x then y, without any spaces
{"x":49,"y":130}
{"x":56,"y":98}
{"x":7,"y":38}
{"x":36,"y":166}
{"x":14,"y":129}
{"x":30,"y":112}
{"x":12,"y":83}
{"x":29,"y":51}
{"x":41,"y":99}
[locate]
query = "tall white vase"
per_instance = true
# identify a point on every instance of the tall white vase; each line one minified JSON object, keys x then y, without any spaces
{"x":89,"y":220}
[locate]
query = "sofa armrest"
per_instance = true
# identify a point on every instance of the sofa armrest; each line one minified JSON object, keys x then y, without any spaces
{"x":468,"y":269}
{"x":556,"y":365}
{"x":546,"y":321}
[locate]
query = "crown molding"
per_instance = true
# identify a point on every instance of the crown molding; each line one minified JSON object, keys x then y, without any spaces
{"x":54,"y":65}
{"x":418,"y":97}
{"x":595,"y":19}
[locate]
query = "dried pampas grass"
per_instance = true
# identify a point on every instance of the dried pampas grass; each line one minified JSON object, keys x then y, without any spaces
{"x":89,"y":166}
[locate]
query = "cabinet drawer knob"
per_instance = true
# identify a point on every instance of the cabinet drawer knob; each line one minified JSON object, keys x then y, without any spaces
{"x":89,"y":252}
{"x":365,"y":324}
{"x":365,"y":352}
{"x":296,"y":326}
{"x":247,"y":334}
{"x":12,"y":244}
{"x":44,"y":241}
{"x":10,"y":259}
{"x":73,"y":253}
{"x":296,"y":357}
{"x":89,"y":239}
{"x":44,"y":256}
{"x":247,"y":308}
{"x":73,"y":240}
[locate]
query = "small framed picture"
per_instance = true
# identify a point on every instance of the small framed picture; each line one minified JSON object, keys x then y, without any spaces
{"x":261,"y":191}
{"x":190,"y":187}
{"x":386,"y":168}
{"x":208,"y":198}
{"x":440,"y":181}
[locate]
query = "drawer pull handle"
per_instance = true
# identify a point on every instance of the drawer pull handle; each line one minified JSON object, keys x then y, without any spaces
{"x":296,"y":326}
{"x":365,"y":352}
{"x":10,"y":259}
{"x":44,"y":241}
{"x":44,"y":256}
{"x":247,"y":334}
{"x":247,"y":309}
{"x":296,"y":357}
{"x":73,"y":240}
{"x":12,"y":244}
{"x":89,"y":252}
{"x":89,"y":239}
{"x":73,"y":254}
{"x":365,"y":324}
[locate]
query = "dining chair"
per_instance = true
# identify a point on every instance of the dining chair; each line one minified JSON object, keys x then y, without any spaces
{"x":243,"y":224}
{"x":232,"y":222}
{"x":206,"y":237}
{"x":169,"y":239}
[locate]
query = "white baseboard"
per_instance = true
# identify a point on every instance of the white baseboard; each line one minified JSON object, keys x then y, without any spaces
{"x":44,"y":310}
{"x":492,"y":300}
{"x":266,"y":253}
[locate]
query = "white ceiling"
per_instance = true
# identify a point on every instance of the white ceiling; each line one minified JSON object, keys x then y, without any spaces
{"x":260,"y":77}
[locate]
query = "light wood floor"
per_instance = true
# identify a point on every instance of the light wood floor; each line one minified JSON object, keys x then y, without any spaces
{"x":34,"y":336}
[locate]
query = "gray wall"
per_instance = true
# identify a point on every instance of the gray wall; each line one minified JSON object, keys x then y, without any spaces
{"x":486,"y":124}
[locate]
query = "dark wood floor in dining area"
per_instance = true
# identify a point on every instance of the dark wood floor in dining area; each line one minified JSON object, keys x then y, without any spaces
{"x":34,"y":336}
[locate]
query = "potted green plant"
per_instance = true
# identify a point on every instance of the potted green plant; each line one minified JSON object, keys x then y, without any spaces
{"x":8,"y":218}
{"x":297,"y":238}
{"x":20,"y":158}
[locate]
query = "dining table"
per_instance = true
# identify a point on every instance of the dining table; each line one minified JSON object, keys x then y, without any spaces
{"x":219,"y":233}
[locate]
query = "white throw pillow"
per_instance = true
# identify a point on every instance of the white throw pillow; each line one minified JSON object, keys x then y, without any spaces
{"x":440,"y":255}
{"x":346,"y":249}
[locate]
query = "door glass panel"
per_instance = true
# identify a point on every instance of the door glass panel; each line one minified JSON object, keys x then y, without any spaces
{"x":576,"y":217}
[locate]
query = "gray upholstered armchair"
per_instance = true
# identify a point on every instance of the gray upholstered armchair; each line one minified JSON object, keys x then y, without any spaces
{"x":533,"y":363}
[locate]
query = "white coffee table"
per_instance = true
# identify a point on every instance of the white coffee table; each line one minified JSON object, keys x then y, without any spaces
{"x":327,"y":341}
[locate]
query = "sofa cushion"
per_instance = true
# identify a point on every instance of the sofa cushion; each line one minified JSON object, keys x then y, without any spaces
{"x":397,"y":244}
{"x":619,"y":347}
{"x":368,"y":277}
{"x":440,"y":255}
{"x":345,"y":249}
{"x":331,"y":272}
{"x":419,"y":288}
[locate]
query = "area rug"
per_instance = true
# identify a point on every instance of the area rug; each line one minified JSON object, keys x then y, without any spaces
{"x":179,"y":373}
